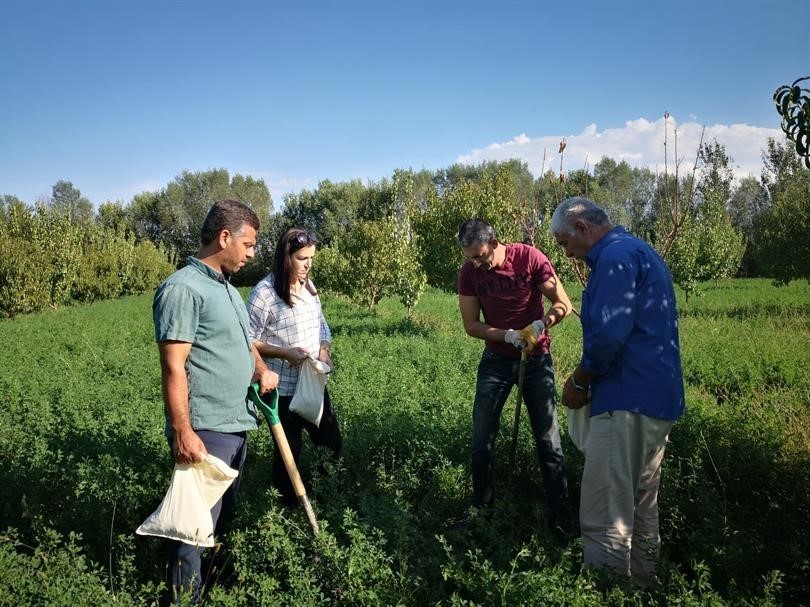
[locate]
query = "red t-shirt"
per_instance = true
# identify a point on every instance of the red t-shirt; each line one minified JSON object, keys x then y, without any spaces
{"x":510,"y":296}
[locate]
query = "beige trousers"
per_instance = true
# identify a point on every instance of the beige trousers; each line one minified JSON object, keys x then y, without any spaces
{"x":618,"y":509}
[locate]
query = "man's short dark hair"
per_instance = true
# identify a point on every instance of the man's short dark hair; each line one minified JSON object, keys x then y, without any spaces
{"x":475,"y":230}
{"x":229,"y":215}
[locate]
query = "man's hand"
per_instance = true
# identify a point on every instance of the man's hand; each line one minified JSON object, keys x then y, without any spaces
{"x":573,"y":397}
{"x":187,"y":447}
{"x":267,"y":379}
{"x":514,"y":337}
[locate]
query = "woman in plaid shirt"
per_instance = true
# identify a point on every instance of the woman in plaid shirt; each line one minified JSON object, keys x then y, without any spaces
{"x":287,"y":326}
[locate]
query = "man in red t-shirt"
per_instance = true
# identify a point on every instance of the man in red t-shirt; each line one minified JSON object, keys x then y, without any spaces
{"x":507,"y":282}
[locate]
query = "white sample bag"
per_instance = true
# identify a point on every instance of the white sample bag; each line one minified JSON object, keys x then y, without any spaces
{"x":308,"y":398}
{"x":579,"y":423}
{"x":185,"y":512}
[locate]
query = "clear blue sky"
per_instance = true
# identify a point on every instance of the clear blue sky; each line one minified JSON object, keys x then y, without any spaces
{"x":119,"y":97}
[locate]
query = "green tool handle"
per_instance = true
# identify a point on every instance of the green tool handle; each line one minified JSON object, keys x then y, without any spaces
{"x":269,"y":410}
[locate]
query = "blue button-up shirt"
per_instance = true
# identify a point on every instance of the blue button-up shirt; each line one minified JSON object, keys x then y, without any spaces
{"x":630,"y":329}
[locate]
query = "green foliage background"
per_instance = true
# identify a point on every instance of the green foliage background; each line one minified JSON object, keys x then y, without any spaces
{"x":85,"y":461}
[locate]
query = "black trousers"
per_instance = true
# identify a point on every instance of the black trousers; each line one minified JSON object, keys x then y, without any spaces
{"x":326,"y":435}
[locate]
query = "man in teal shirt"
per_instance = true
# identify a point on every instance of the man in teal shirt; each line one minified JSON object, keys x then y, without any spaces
{"x":207,"y":364}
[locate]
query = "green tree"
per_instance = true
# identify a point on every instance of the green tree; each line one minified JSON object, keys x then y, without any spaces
{"x":113,"y":216}
{"x":409,"y":279}
{"x":493,"y":199}
{"x":172,"y":217}
{"x":67,"y":199}
{"x":377,"y":257}
{"x":784,"y":252}
{"x":748,"y":205}
{"x":359,"y":265}
{"x":626,"y":193}
{"x":720,"y":246}
{"x":330,"y":210}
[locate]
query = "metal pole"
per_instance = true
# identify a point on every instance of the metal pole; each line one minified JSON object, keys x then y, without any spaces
{"x":516,"y":428}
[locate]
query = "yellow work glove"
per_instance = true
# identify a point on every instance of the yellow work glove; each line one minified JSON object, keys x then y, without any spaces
{"x":530,"y":334}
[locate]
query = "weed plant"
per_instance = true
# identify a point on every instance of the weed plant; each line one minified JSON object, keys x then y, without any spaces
{"x":84,"y":461}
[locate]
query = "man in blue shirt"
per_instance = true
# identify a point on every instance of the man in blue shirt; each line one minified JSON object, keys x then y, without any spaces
{"x":630,"y":373}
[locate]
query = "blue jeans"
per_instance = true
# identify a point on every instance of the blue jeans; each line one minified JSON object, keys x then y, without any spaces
{"x":185,"y":561}
{"x":496,"y":376}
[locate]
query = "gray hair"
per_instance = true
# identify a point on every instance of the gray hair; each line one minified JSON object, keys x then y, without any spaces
{"x":474,"y":230}
{"x":571,"y":209}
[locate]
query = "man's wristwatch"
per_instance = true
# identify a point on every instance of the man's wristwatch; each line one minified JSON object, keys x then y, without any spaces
{"x":577,"y":387}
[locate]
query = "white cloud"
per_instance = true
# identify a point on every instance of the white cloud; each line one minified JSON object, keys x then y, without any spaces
{"x":640,"y":142}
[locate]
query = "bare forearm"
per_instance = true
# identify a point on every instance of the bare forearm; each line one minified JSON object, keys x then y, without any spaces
{"x":484,"y":331}
{"x":556,"y":313}
{"x":259,"y":364}
{"x":175,"y":398}
{"x":269,"y":350}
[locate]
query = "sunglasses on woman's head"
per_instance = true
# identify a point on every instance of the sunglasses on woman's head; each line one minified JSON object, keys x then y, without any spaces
{"x":303,"y":239}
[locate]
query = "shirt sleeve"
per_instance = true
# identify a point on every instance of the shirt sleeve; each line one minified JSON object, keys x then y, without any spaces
{"x":259,"y":311}
{"x":325,"y":333}
{"x":611,"y":313}
{"x":540,"y":267}
{"x":465,"y":280}
{"x":176,"y":312}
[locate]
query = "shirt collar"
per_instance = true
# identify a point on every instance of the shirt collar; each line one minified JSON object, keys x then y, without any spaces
{"x":593,"y":254}
{"x":206,"y":270}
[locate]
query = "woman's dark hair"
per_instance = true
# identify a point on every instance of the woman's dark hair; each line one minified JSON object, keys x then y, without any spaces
{"x":289,"y":242}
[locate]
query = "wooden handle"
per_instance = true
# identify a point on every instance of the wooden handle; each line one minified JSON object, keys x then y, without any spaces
{"x":295,"y":476}
{"x":289,"y":462}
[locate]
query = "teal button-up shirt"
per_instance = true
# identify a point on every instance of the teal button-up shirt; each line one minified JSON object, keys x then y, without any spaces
{"x":197,"y":305}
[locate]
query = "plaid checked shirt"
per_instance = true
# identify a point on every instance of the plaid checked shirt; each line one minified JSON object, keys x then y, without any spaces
{"x":273,"y":322}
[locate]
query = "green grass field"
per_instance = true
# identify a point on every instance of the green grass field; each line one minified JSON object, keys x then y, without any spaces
{"x":84,"y":461}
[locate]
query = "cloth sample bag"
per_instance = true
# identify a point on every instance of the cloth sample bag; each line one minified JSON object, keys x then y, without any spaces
{"x":579,"y":423}
{"x":185,"y":512}
{"x":308,"y":398}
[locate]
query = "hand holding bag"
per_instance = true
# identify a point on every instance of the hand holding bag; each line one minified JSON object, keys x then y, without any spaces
{"x":185,"y":512}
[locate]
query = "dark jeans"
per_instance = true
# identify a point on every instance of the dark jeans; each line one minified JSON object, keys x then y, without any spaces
{"x":185,"y":561}
{"x":496,"y":376}
{"x":326,"y":435}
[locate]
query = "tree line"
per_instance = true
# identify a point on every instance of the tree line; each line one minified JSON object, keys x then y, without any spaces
{"x":394,"y":236}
